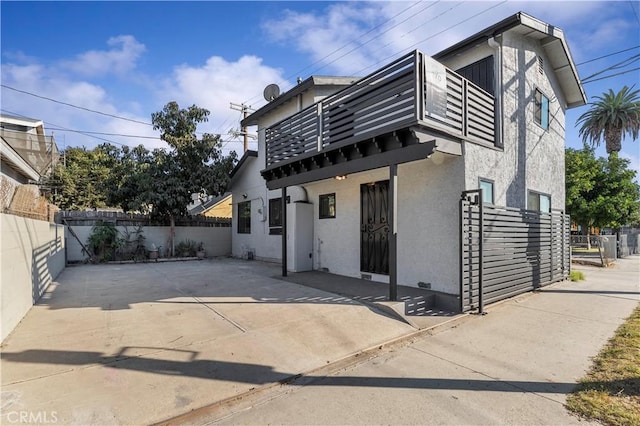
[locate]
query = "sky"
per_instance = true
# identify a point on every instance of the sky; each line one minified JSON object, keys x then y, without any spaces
{"x":126,"y":60}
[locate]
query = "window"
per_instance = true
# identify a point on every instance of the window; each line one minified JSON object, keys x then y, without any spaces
{"x":244,"y":217}
{"x":327,"y":206}
{"x":480,"y":73}
{"x":487,"y":191}
{"x":275,"y":216}
{"x":541,"y":109}
{"x":539,"y":202}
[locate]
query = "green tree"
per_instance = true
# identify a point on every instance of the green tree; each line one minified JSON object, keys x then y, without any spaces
{"x":129,"y":180}
{"x":600,"y":192}
{"x":82,"y":180}
{"x":611,"y":118}
{"x":192,"y":164}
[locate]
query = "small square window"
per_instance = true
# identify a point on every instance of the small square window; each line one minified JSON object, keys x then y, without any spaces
{"x":539,"y":202}
{"x":327,"y":206}
{"x":275,"y":216}
{"x":541,"y":111}
{"x":244,"y":217}
{"x":487,"y":191}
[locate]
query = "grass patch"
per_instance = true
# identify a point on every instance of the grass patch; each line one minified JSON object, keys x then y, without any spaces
{"x":610,"y":392}
{"x":576,"y":275}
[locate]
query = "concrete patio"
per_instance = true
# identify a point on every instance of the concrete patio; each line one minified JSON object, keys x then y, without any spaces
{"x":140,"y":343}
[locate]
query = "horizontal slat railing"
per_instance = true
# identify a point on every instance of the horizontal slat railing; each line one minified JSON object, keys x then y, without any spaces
{"x":373,"y":104}
{"x":396,"y":96}
{"x":521,"y":251}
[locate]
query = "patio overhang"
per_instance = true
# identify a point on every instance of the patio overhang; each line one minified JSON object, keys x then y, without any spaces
{"x":401,"y":146}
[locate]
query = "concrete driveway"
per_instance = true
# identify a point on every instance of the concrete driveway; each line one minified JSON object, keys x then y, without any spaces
{"x":140,"y":343}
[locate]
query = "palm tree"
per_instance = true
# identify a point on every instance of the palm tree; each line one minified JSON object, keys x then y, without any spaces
{"x":611,"y":118}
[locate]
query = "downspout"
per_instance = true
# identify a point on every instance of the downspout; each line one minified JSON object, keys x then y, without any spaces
{"x":497,"y":46}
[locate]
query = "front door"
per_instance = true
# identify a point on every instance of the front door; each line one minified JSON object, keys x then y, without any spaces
{"x":374,"y":227}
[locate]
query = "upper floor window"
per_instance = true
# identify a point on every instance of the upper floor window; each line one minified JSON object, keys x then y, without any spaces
{"x":480,"y":73}
{"x":541,"y":111}
{"x":487,"y":191}
{"x":275,"y":216}
{"x":539,"y":202}
{"x":244,"y":217}
{"x":327,"y":206}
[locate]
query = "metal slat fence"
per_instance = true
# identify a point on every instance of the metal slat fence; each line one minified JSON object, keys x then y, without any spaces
{"x":506,"y":252}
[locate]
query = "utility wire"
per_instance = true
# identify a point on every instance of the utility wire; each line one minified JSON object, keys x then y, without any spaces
{"x":634,"y":11}
{"x":434,"y":35}
{"x":387,"y":30}
{"x":91,"y":136}
{"x":76,"y":106}
{"x":619,"y":65}
{"x":286,"y":80}
{"x":606,"y":56}
{"x":610,"y":76}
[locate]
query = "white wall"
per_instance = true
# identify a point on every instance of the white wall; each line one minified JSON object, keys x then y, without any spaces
{"x":250,"y":183}
{"x":32,"y":256}
{"x":428,"y":223}
{"x":216,"y":240}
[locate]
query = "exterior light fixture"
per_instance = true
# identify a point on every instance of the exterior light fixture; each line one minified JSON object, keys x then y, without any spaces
{"x":341,"y":177}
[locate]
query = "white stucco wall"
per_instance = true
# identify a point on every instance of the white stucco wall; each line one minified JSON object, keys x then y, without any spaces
{"x":428,"y":239}
{"x":32,"y":255}
{"x":250,"y":183}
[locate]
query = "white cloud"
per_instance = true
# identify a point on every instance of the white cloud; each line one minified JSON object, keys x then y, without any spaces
{"x":46,"y":82}
{"x":120,"y":58}
{"x":217,"y":83}
{"x":428,"y":26}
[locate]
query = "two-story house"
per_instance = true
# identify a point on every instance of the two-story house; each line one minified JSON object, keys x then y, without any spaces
{"x":372,"y":169}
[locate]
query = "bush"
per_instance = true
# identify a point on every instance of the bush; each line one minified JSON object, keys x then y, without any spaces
{"x":186,"y":248}
{"x":103,"y":241}
{"x":576,"y":276}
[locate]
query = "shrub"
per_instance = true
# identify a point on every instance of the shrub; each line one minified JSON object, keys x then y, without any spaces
{"x":103,"y":241}
{"x":576,"y":276}
{"x":186,"y":248}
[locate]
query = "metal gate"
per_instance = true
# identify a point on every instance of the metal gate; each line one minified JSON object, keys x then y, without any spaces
{"x":506,"y":251}
{"x":374,"y":227}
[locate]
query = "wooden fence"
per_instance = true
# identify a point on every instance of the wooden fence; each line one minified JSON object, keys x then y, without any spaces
{"x":505,"y":252}
{"x":90,"y":218}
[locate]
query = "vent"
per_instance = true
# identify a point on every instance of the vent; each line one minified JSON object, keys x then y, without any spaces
{"x":540,"y":65}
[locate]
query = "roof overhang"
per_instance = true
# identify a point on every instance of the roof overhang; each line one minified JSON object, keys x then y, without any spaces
{"x":402,"y":146}
{"x":16,"y":162}
{"x":313,"y":81}
{"x":244,"y":160}
{"x":552,"y":41}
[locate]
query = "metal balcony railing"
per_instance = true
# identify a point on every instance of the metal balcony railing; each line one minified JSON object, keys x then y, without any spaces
{"x":413,"y":90}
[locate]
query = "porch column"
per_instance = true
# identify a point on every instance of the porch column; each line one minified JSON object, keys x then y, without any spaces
{"x":284,"y":231}
{"x":393,"y":232}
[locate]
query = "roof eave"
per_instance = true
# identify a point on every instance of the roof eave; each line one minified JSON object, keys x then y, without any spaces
{"x":571,"y":85}
{"x":236,"y":170}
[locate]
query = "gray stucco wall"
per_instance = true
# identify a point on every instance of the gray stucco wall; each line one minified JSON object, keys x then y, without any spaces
{"x":532,"y":158}
{"x":33,"y":255}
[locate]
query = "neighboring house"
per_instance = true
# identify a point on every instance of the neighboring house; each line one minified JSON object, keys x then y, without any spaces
{"x":373,"y":169}
{"x":32,"y":249}
{"x":26,"y":153}
{"x":214,"y":207}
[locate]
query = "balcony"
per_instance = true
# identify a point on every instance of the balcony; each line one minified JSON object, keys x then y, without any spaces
{"x":412,"y":101}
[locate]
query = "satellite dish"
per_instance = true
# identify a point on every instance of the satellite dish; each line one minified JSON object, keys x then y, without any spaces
{"x":271,"y":92}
